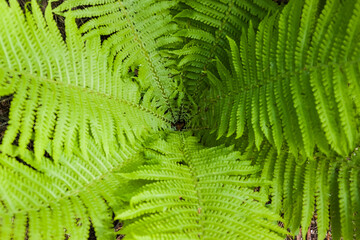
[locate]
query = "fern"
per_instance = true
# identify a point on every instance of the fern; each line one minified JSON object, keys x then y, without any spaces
{"x":58,"y":200}
{"x":64,"y":93}
{"x":211,"y":22}
{"x":132,"y":38}
{"x":205,"y":26}
{"x":301,"y":90}
{"x":266,"y":98}
{"x":197,"y":194}
{"x":297,"y":187}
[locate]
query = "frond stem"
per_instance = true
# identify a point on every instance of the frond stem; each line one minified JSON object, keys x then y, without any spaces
{"x":187,"y":157}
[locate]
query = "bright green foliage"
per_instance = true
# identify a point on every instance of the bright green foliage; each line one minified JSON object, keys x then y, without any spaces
{"x":297,"y":186}
{"x":52,"y":101}
{"x":138,"y":29}
{"x":294,"y":80}
{"x":269,"y":95}
{"x":43,"y":200}
{"x":205,"y":25}
{"x":198,"y":193}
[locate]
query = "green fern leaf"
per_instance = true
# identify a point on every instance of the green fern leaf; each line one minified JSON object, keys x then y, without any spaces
{"x":132,"y":38}
{"x":203,"y":197}
{"x":71,"y":95}
{"x":50,"y":199}
{"x":300,"y":86}
{"x":309,"y":198}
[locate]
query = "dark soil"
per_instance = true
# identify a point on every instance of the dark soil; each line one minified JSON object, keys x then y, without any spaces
{"x":281,"y":1}
{"x":4,"y":114}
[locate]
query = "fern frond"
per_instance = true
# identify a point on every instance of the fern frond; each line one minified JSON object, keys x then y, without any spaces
{"x":135,"y":32}
{"x":216,"y":20}
{"x":51,"y":201}
{"x":204,"y":192}
{"x":67,"y":105}
{"x":334,"y":200}
{"x":80,"y":114}
{"x":308,"y":195}
{"x":322,"y":185}
{"x":345,"y":203}
{"x":295,"y":80}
